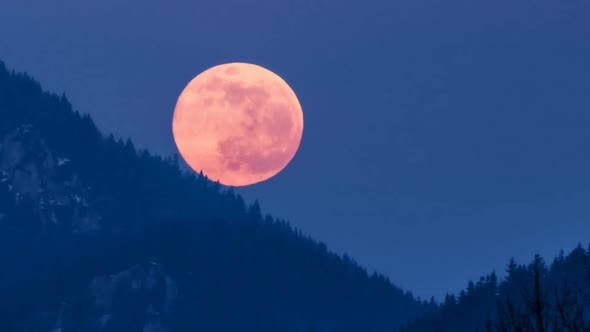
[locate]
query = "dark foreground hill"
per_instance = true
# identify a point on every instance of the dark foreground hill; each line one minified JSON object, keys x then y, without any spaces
{"x":98,"y":236}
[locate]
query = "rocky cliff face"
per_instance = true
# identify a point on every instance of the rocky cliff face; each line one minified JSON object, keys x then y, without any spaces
{"x":31,"y":172}
{"x":142,"y":298}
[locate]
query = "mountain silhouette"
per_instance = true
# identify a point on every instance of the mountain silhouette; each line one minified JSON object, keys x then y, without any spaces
{"x":96,"y":235}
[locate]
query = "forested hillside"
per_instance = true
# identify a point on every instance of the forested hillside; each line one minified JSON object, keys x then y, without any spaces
{"x":96,"y":235}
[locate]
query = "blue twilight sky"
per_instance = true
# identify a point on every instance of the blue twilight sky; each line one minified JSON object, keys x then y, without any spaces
{"x":441,"y":137}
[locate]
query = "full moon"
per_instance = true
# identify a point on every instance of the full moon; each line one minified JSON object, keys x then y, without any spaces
{"x":238,"y":123}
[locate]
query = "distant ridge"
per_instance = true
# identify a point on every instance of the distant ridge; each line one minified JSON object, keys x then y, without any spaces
{"x":491,"y":304}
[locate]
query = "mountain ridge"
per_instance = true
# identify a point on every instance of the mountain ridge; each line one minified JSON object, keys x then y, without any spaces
{"x":77,"y":206}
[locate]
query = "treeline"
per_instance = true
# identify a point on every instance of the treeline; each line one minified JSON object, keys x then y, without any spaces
{"x":126,"y":184}
{"x":532,"y":298}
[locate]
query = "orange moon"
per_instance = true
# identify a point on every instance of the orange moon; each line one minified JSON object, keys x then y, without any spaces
{"x":239,"y":123}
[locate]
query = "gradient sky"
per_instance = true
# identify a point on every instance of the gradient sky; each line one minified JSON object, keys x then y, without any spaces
{"x":441,"y":137}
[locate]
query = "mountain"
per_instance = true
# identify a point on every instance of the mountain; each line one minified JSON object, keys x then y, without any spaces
{"x":533,"y":297}
{"x":96,"y":235}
